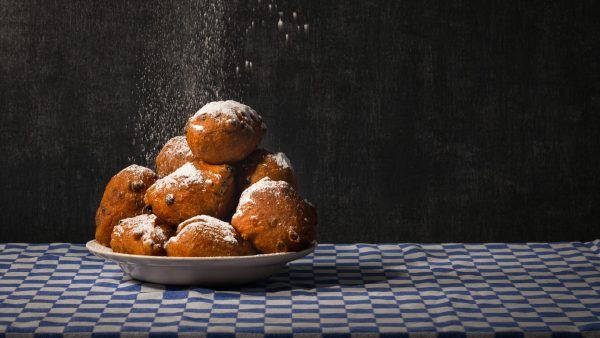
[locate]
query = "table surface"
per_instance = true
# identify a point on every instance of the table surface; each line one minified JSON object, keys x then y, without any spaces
{"x":360,"y":289}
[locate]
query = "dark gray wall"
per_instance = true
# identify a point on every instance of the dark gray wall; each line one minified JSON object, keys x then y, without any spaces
{"x":406,"y":121}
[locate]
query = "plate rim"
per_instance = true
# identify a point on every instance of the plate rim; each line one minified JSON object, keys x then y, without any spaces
{"x":108,"y":251}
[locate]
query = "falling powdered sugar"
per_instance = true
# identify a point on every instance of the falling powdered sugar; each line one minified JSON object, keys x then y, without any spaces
{"x":209,"y":52}
{"x":187,"y":56}
{"x":309,"y":203}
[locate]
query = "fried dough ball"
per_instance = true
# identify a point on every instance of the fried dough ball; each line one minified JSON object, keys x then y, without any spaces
{"x":274,"y":218}
{"x":173,"y":155}
{"x":263,"y":163}
{"x":123,"y":197}
{"x":141,"y":235}
{"x":224,"y":132}
{"x":196,"y":188}
{"x":206,"y":236}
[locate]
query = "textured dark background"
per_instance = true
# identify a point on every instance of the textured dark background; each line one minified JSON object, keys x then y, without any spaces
{"x":425,"y":121}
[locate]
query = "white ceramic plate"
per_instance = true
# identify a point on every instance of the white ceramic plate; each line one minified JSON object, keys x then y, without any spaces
{"x":214,"y":271}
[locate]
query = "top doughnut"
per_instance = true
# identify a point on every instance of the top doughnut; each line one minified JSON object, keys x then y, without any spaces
{"x":224,"y":132}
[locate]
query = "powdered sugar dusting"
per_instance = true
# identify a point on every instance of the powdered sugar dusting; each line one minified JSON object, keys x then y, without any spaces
{"x":188,"y":170}
{"x":186,"y":175}
{"x":179,"y":147}
{"x":282,"y":161}
{"x":264,"y":184}
{"x":208,"y":225}
{"x":143,"y":226}
{"x":198,"y":128}
{"x":137,"y":170}
{"x":232,"y":110}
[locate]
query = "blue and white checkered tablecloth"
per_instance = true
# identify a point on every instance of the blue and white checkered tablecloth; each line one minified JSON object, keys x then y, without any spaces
{"x":537,"y":289}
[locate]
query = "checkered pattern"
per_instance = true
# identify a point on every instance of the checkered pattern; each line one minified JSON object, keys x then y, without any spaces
{"x":488,"y":290}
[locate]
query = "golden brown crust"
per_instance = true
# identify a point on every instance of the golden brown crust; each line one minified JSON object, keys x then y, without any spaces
{"x":274,"y":218}
{"x":141,"y":235}
{"x":224,"y":132}
{"x":196,"y":188}
{"x":173,"y":155}
{"x":123,"y":197}
{"x":263,"y":163}
{"x":205,"y":236}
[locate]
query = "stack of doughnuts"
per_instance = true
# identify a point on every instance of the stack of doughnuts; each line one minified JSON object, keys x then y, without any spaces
{"x":214,"y":193}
